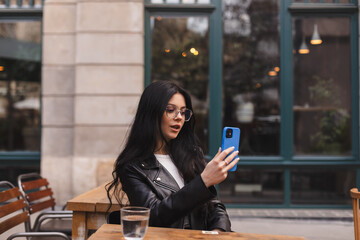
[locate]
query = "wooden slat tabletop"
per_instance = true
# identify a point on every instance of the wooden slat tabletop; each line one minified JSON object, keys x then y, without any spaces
{"x":92,"y":201}
{"x":112,"y":232}
{"x":86,"y":202}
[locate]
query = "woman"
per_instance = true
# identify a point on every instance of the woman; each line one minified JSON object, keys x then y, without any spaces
{"x":163,"y":168}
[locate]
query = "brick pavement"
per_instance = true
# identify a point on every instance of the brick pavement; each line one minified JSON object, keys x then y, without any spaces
{"x":318,"y":214}
{"x":313,"y":224}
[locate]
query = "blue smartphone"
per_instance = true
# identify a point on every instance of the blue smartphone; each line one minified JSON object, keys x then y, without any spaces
{"x":231,"y":138}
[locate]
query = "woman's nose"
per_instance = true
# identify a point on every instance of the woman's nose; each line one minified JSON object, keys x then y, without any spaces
{"x":178,"y":115}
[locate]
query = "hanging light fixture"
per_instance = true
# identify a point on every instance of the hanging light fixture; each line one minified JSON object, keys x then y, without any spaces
{"x":315,"y":39}
{"x":272,"y":73}
{"x":303,"y":48}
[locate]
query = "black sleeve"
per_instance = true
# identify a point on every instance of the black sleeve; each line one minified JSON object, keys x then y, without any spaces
{"x":218,"y":217}
{"x":164,"y":212}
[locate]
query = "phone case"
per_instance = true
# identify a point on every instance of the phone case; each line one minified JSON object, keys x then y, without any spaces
{"x":231,"y":142}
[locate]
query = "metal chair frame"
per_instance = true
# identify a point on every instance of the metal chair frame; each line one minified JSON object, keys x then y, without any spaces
{"x":9,"y":208}
{"x":39,"y":203}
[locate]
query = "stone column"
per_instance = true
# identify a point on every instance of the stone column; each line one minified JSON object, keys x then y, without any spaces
{"x":58,"y":76}
{"x":93,"y":75}
{"x":109,"y":80}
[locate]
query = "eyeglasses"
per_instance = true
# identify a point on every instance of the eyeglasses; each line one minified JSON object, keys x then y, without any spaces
{"x":173,"y":112}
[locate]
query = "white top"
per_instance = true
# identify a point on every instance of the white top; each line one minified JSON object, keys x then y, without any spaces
{"x":168,"y":164}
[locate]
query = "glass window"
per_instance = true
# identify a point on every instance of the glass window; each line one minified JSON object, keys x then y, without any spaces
{"x":179,"y":1}
{"x":322,"y":86}
{"x":322,"y":1}
{"x":20,"y":73}
{"x":180,"y":53}
{"x":317,"y":186}
{"x":10,"y":173}
{"x":316,"y":87}
{"x":253,"y":186}
{"x":251,"y":81}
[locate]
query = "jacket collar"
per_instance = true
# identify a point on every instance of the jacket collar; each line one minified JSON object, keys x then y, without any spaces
{"x":162,"y":177}
{"x":150,"y":163}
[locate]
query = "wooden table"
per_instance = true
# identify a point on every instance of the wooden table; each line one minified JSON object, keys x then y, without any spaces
{"x":89,"y":211}
{"x":113,"y":232}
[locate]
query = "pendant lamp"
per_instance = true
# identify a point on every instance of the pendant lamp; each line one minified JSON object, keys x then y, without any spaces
{"x":303,"y":48}
{"x":315,"y":39}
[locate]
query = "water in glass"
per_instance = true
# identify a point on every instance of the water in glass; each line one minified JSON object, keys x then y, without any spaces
{"x":134,"y":226}
{"x":134,"y":221}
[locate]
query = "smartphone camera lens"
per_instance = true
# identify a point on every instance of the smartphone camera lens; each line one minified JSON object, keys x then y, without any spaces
{"x":229,"y":133}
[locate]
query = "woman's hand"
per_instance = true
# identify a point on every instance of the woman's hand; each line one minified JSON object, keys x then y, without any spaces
{"x":217,"y":169}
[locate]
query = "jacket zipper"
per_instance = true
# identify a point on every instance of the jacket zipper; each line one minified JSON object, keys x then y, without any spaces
{"x":160,"y":184}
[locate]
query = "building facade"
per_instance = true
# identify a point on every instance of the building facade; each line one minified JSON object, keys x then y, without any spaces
{"x":285,"y":72}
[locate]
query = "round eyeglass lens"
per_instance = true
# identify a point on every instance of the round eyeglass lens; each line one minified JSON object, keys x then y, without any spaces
{"x":188,"y":114}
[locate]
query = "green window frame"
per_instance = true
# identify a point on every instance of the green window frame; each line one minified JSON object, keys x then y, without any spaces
{"x":213,"y":10}
{"x":31,"y":12}
{"x":322,"y":10}
{"x":319,"y":10}
{"x":286,"y":160}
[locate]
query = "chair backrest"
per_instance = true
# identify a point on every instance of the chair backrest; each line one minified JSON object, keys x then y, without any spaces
{"x":13,"y":208}
{"x":36,"y":191}
{"x":355,"y":195}
{"x":113,"y":217}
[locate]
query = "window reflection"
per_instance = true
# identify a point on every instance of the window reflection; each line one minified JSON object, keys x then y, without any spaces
{"x":253,"y":186}
{"x":309,"y":186}
{"x":10,"y":173}
{"x":20,"y":68}
{"x":322,"y":87}
{"x":180,"y":53}
{"x":251,"y":74}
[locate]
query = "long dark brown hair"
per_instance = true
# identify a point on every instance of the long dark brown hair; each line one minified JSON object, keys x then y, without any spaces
{"x":141,"y":143}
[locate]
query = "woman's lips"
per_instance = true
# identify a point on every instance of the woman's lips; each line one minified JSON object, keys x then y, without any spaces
{"x":175,"y":128}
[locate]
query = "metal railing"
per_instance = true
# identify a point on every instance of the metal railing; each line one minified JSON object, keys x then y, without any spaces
{"x":21,"y":3}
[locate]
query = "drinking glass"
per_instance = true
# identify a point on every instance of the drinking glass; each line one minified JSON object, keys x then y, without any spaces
{"x":134,"y":222}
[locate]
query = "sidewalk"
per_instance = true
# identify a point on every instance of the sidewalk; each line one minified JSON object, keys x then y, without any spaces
{"x":313,"y":224}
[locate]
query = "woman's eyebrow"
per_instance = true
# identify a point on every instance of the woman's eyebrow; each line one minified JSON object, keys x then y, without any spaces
{"x":173,"y":105}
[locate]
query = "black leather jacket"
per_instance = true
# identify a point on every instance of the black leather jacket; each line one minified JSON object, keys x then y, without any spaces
{"x":147,"y":183}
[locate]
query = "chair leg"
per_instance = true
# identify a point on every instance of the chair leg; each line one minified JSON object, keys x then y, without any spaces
{"x":356,"y":218}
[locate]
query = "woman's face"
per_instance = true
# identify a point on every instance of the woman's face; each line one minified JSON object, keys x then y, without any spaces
{"x":172,"y":121}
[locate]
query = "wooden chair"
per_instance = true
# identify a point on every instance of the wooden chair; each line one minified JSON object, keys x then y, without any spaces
{"x":39,"y":196}
{"x":113,"y":217}
{"x":14,"y":211}
{"x":355,"y":195}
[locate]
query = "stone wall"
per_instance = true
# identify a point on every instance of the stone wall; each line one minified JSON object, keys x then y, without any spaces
{"x":93,"y":67}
